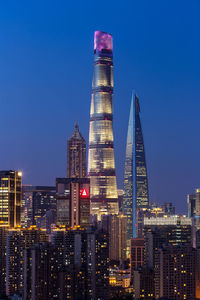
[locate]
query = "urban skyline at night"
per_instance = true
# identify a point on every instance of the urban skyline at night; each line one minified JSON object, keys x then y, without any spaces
{"x":99,"y":183}
{"x":149,"y":58}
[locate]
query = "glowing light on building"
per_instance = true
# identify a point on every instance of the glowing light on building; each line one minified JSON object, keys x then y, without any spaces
{"x":101,"y":164}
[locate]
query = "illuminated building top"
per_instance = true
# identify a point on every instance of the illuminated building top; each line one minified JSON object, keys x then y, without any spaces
{"x":103,"y":42}
{"x":167,"y":220}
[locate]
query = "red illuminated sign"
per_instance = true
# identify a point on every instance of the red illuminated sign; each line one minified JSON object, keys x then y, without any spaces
{"x":84,"y":193}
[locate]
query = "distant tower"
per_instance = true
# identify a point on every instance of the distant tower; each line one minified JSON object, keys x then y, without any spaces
{"x":76,"y":155}
{"x":101,"y":164}
{"x":136,"y":194}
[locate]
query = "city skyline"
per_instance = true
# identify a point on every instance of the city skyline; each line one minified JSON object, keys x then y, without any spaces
{"x":160,"y":66}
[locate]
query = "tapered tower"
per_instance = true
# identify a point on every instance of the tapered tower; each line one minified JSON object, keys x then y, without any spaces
{"x":101,"y":163}
{"x":76,"y":155}
{"x":136,"y":194}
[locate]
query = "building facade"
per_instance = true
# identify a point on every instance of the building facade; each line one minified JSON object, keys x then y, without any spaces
{"x":37,"y":202}
{"x":175,"y":273}
{"x":10,"y":198}
{"x":116,"y":227}
{"x":76,"y":155}
{"x":101,"y":163}
{"x":136,"y":194}
{"x":137,"y":255}
{"x":73,"y":202}
{"x":17,"y":241}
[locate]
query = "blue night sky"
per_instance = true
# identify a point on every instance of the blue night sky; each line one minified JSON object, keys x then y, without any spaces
{"x":46,"y":58}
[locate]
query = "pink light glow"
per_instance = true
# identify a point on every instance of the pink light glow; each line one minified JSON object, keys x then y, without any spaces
{"x":102,"y":40}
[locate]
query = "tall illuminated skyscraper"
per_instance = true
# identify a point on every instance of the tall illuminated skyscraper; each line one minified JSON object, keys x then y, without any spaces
{"x":10,"y":198}
{"x":136,"y":193}
{"x":101,"y":164}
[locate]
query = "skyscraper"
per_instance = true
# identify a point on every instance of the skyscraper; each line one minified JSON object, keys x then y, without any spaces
{"x":37,"y":201}
{"x":101,"y":164}
{"x":76,"y":155}
{"x":136,"y":193}
{"x":10,"y":198}
{"x":73,"y":201}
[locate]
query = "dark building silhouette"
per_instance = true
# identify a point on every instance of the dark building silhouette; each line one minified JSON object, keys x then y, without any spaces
{"x":137,"y":255}
{"x":17,"y":241}
{"x":101,"y":163}
{"x":76,"y":155}
{"x":175,"y":272}
{"x":136,"y":194}
{"x":168,"y":208}
{"x":3,"y":234}
{"x":40,"y":272}
{"x":83,"y":263}
{"x":37,"y":202}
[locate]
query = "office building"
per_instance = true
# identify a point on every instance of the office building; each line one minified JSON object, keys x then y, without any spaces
{"x":37,"y":202}
{"x":76,"y":155}
{"x":73,"y":201}
{"x":152,"y":211}
{"x":164,"y":231}
{"x":116,"y":226}
{"x":10,"y":198}
{"x":136,"y":194}
{"x":101,"y":163}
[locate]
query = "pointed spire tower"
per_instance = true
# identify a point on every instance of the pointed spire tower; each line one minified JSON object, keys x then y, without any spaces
{"x":101,"y":163}
{"x":76,"y":155}
{"x":136,"y":194}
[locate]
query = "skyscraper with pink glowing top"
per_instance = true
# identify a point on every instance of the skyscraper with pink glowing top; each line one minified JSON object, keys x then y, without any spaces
{"x":101,"y":163}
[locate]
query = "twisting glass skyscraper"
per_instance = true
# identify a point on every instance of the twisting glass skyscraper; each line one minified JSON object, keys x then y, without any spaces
{"x":136,"y":193}
{"x":101,"y":164}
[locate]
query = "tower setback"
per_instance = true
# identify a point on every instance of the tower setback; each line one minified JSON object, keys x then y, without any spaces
{"x":101,"y":164}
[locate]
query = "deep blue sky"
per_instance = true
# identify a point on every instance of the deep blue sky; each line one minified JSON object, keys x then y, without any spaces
{"x":46,"y":56}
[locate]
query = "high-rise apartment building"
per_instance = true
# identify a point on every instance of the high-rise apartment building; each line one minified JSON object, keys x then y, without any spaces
{"x":136,"y":194}
{"x":17,"y":241}
{"x":76,"y":155}
{"x":101,"y":163}
{"x":3,"y":234}
{"x":175,"y":271}
{"x":10,"y":198}
{"x":73,"y":201}
{"x":137,"y":255}
{"x":40,"y":272}
{"x":84,"y":255}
